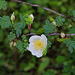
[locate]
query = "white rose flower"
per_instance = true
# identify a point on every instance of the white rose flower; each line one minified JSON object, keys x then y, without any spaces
{"x":37,"y":45}
{"x":32,"y":16}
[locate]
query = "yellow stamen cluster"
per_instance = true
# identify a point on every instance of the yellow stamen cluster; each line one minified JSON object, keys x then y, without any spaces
{"x":38,"y":44}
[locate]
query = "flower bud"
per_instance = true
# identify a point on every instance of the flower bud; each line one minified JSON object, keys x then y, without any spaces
{"x":13,"y":17}
{"x":32,"y":16}
{"x":54,"y":22}
{"x":14,"y":44}
{"x":62,"y":35}
{"x":11,"y":43}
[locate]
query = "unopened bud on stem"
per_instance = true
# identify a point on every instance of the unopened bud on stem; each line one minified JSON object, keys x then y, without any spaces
{"x":13,"y":17}
{"x":62,"y":35}
{"x":32,"y":16}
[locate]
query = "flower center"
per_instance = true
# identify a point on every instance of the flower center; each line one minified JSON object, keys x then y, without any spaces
{"x":38,"y":44}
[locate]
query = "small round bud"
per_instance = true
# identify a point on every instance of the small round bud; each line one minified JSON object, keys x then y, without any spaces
{"x":13,"y":17}
{"x":54,"y":22}
{"x":14,"y":44}
{"x":11,"y":43}
{"x":32,"y":16}
{"x":62,"y":35}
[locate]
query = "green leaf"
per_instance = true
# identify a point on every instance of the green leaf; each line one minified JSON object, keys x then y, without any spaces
{"x":67,"y":68}
{"x":72,"y":30}
{"x":70,"y":44}
{"x":5,"y":22}
{"x":11,"y":36}
{"x":3,"y":4}
{"x":70,"y":12}
{"x":74,"y":13}
{"x":61,"y":39}
{"x":45,"y":51}
{"x":48,"y":72}
{"x":23,"y":22}
{"x":20,"y":45}
{"x":21,"y":17}
{"x":59,"y":21}
{"x":27,"y":66}
{"x":1,"y":35}
{"x":49,"y":44}
{"x":43,"y":64}
{"x":27,"y":19}
{"x":18,"y":27}
{"x":25,"y":45}
{"x":40,"y":31}
{"x":49,"y":28}
{"x":23,"y":37}
{"x":73,"y":19}
{"x":59,"y":60}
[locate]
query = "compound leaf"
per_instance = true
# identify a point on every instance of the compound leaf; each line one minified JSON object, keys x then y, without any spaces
{"x":3,"y":4}
{"x":11,"y":36}
{"x":74,"y":13}
{"x":49,"y":28}
{"x":20,"y":45}
{"x":70,"y":44}
{"x":72,"y":30}
{"x":5,"y":22}
{"x":59,"y":21}
{"x":49,"y":44}
{"x":23,"y":22}
{"x":18,"y":27}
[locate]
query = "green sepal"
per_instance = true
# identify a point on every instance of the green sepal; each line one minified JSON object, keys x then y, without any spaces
{"x":29,"y":20}
{"x":45,"y":51}
{"x":48,"y":46}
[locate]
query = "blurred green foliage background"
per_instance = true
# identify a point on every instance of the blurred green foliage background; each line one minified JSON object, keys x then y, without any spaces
{"x":58,"y":61}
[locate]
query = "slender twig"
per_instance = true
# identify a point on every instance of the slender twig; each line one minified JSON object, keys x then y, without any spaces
{"x":47,"y":35}
{"x":31,"y":34}
{"x":39,"y":6}
{"x":60,"y":34}
{"x":51,"y":34}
